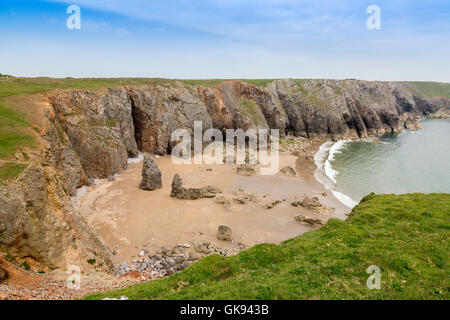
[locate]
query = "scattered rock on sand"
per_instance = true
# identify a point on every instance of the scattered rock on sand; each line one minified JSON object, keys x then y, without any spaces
{"x":289,"y":172}
{"x":412,"y":124}
{"x":309,"y":221}
{"x":312,"y":204}
{"x":151,"y":175}
{"x":179,"y":192}
{"x":223,"y":201}
{"x":243,"y":197}
{"x":246,"y":170}
{"x":272,"y":204}
{"x":224,"y":233}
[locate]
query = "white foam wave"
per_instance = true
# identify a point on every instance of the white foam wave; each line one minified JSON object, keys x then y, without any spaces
{"x":136,"y":160}
{"x":80,"y":192}
{"x":325,"y":173}
{"x":335,"y":148}
{"x":346,"y":200}
{"x":320,"y":159}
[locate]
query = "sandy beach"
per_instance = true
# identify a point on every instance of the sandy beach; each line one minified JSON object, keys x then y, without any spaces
{"x":130,"y":219}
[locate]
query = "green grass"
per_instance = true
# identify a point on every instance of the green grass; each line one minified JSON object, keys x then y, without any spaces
{"x":432,"y":89}
{"x":10,"y":170}
{"x":252,"y":110}
{"x":13,"y":86}
{"x":211,"y":83}
{"x":262,"y":83}
{"x":15,"y":132}
{"x":406,"y":236}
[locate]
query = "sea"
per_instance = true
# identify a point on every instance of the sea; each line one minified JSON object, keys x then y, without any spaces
{"x":407,"y":162}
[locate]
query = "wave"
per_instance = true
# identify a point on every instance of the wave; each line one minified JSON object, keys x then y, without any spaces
{"x":325,"y":173}
{"x":346,"y":200}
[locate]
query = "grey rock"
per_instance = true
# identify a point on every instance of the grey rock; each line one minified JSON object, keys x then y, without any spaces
{"x":413,"y":124}
{"x":224,"y":233}
{"x":179,"y":192}
{"x":272,"y":204}
{"x":312,"y":204}
{"x":151,"y":175}
{"x":309,"y":221}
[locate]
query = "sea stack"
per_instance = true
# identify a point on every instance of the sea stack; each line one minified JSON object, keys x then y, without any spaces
{"x":151,"y":175}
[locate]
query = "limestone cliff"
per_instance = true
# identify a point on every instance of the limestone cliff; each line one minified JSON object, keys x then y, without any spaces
{"x":90,"y":135}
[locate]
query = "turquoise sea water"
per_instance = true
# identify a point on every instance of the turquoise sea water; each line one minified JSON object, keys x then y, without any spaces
{"x":409,"y":162}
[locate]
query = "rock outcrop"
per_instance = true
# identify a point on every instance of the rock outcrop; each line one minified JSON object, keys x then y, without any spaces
{"x":117,"y":122}
{"x":37,"y":220}
{"x":413,"y":124}
{"x":309,"y":221}
{"x":440,"y":114}
{"x":312,"y":204}
{"x":151,"y":175}
{"x":182,"y":193}
{"x":100,"y":128}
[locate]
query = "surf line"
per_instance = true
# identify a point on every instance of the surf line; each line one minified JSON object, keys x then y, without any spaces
{"x":326,"y":175}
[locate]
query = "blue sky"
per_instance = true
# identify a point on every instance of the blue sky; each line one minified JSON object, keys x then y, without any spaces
{"x":227,"y":39}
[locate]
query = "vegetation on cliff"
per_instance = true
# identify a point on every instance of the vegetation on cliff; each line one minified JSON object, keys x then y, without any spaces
{"x":406,"y":236}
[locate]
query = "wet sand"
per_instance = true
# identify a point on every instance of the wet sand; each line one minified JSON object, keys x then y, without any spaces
{"x":130,"y":219}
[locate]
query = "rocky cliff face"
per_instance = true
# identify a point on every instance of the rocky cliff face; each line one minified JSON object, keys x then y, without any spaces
{"x":90,"y":135}
{"x":37,"y":219}
{"x":107,"y":127}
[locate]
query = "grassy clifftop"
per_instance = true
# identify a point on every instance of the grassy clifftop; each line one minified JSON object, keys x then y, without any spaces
{"x":432,"y":89}
{"x":406,"y":236}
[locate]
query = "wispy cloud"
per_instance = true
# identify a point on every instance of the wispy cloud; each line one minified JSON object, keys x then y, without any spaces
{"x":241,"y":38}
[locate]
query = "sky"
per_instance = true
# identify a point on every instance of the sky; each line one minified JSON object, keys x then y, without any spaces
{"x":227,"y":39}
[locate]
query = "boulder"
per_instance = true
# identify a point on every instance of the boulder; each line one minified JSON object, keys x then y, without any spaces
{"x":224,"y":233}
{"x":180,"y":192}
{"x":440,"y":114}
{"x":309,"y":221}
{"x":151,"y":175}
